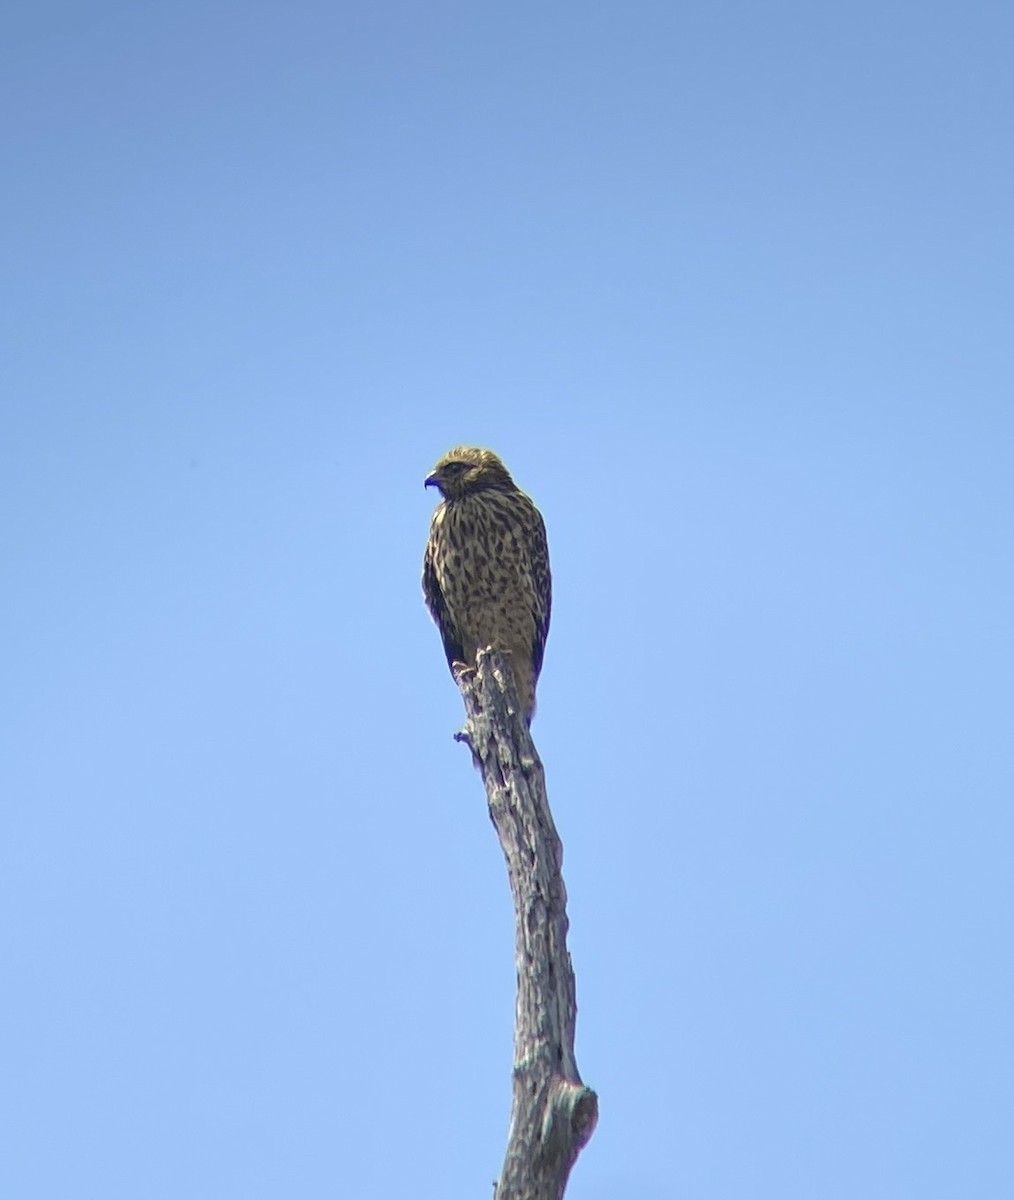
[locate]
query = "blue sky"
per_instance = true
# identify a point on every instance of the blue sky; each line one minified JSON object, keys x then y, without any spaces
{"x":729,"y":288}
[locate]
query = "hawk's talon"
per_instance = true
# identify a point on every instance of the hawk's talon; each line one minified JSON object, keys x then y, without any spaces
{"x":462,"y":672}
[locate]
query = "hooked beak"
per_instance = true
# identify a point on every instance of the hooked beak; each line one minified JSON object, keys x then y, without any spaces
{"x":431,"y":480}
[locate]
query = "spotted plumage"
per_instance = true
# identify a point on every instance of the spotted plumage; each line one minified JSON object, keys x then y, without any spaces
{"x":486,"y":571}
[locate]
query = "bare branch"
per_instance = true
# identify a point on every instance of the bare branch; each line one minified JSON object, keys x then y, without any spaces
{"x":553,"y":1114}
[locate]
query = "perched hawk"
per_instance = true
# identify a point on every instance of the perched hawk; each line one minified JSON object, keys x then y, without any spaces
{"x":486,"y":572}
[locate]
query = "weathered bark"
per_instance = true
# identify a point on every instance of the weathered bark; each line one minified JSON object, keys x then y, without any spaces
{"x":553,"y":1114}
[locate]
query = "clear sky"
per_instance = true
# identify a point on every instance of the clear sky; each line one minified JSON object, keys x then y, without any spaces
{"x":729,"y":287}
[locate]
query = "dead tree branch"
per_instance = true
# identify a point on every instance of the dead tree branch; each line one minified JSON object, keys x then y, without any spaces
{"x":553,"y":1114}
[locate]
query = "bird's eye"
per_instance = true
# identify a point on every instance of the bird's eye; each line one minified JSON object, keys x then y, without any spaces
{"x":457,"y":468}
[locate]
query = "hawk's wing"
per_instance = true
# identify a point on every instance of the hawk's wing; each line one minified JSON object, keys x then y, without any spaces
{"x":537,"y":546}
{"x":438,"y":609}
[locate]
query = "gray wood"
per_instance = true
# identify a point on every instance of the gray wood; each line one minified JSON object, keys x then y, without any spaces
{"x":553,"y":1114}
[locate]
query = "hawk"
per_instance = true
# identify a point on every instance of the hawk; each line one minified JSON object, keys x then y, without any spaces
{"x":486,"y":572}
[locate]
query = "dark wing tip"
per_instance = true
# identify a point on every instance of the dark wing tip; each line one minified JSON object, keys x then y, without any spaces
{"x":542,"y":580}
{"x":438,"y":610}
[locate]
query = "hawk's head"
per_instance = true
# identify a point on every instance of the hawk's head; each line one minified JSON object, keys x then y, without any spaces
{"x":467,"y":469}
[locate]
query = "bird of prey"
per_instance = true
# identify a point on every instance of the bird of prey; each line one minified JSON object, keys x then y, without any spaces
{"x":486,"y":572}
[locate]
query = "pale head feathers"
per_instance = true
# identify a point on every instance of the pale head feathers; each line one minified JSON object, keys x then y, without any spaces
{"x":468,"y":469}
